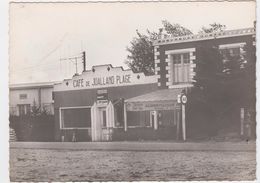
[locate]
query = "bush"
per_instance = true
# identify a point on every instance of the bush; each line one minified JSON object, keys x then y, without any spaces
{"x":33,"y":127}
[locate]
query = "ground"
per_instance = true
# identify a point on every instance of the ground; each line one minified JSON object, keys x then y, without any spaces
{"x":71,"y":162}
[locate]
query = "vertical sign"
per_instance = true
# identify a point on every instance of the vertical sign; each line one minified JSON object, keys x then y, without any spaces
{"x":183,"y":102}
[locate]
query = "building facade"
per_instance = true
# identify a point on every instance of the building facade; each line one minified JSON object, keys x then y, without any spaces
{"x":109,"y":103}
{"x":22,"y":97}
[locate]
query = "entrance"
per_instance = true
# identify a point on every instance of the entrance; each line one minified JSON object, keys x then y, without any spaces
{"x":154,"y":119}
{"x":102,"y":122}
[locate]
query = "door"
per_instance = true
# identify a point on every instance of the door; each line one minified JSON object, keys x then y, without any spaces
{"x":104,"y":125}
{"x":103,"y":117}
{"x":154,"y":119}
{"x":102,"y":122}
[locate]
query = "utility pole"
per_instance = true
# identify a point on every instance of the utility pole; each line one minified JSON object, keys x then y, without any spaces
{"x":75,"y":61}
{"x":84,"y":60}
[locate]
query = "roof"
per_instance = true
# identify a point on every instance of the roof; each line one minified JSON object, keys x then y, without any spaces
{"x":32,"y":85}
{"x":169,"y":39}
{"x":159,"y":95}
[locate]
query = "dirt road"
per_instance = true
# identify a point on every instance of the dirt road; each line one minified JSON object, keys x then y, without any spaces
{"x":83,"y":165}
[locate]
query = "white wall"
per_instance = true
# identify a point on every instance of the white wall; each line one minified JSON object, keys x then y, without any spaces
{"x":32,"y":95}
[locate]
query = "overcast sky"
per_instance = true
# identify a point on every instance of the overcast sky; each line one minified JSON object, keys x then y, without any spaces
{"x":42,"y":33}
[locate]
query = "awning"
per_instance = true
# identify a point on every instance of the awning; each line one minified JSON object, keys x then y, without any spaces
{"x":158,"y":100}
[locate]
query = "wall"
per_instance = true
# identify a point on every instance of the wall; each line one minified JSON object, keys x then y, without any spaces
{"x":47,"y":99}
{"x":32,"y":95}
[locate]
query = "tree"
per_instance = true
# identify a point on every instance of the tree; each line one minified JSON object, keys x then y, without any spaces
{"x":36,"y":110}
{"x":224,"y":83}
{"x":141,"y":57}
{"x":205,"y":97}
{"x":141,"y":52}
{"x":175,"y":29}
{"x":214,"y":27}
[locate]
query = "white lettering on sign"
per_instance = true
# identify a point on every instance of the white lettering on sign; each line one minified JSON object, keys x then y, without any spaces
{"x":101,"y":91}
{"x":102,"y":81}
{"x":150,"y":106}
{"x":78,"y":83}
{"x":101,"y":77}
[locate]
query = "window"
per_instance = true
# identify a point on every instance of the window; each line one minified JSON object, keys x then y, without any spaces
{"x":119,"y":112}
{"x":231,"y":49}
{"x":180,"y":68}
{"x":76,"y":117}
{"x":23,"y":96}
{"x":24,"y":109}
{"x":138,"y":118}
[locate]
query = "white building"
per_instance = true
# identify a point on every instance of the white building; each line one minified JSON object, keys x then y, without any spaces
{"x":22,"y":97}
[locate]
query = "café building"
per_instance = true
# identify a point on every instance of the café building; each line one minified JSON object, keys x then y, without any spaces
{"x":109,"y":103}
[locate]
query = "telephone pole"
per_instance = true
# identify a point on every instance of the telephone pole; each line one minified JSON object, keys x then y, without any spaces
{"x":75,"y":61}
{"x":84,"y":60}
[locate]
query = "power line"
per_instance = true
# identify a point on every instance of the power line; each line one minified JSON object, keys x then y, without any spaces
{"x":46,"y":55}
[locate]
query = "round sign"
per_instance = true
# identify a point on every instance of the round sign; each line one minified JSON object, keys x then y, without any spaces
{"x":184,"y":99}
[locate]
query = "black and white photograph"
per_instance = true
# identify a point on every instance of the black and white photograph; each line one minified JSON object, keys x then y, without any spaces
{"x":132,"y":91}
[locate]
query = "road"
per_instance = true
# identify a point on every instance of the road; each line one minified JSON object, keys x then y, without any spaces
{"x":96,"y":162}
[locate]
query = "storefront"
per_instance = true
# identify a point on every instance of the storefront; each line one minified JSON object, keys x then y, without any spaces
{"x":108,"y":103}
{"x":89,"y":106}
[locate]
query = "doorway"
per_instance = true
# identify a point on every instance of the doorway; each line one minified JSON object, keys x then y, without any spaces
{"x":102,"y":122}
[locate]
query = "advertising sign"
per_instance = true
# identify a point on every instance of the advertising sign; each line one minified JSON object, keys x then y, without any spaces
{"x":102,"y":97}
{"x":151,"y":106}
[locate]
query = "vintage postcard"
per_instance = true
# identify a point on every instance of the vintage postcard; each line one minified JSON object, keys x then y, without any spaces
{"x":132,"y":91}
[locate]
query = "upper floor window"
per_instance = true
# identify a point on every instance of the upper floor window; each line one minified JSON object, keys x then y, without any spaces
{"x":230,"y":51}
{"x":235,"y":49}
{"x":23,"y":96}
{"x":180,"y":68}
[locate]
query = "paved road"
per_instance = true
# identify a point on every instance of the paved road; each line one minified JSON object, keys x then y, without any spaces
{"x":138,"y":146}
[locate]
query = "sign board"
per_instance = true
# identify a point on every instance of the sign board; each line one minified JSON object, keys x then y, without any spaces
{"x":102,"y":95}
{"x":151,"y":106}
{"x":179,"y":98}
{"x":102,"y":102}
{"x":104,"y":76}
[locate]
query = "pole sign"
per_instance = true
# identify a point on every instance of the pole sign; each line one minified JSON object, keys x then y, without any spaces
{"x":184,"y":99}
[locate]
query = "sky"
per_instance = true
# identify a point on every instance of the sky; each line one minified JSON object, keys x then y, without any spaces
{"x":43,"y":33}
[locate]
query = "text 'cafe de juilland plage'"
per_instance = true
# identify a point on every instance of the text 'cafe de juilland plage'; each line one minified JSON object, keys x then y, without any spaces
{"x":110,"y":103}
